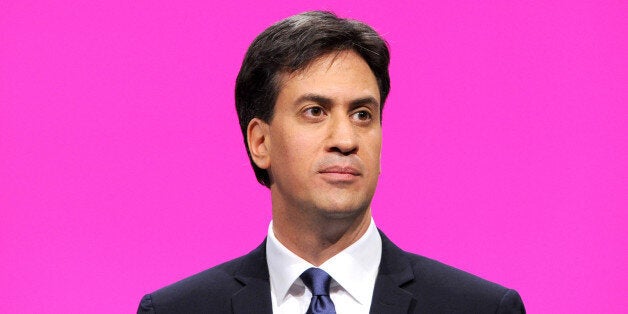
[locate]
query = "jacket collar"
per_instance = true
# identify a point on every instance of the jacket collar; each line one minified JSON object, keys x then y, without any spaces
{"x":388,"y":296}
{"x":394,"y":271}
{"x":254,"y":297}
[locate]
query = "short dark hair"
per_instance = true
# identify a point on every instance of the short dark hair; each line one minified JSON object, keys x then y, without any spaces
{"x":291,"y":45}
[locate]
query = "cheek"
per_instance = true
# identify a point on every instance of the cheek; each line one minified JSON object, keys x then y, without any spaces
{"x":291,"y":149}
{"x":374,"y":148}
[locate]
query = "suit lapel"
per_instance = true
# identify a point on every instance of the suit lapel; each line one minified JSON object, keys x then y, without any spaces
{"x":254,"y":297}
{"x":388,"y":296}
{"x":394,"y":271}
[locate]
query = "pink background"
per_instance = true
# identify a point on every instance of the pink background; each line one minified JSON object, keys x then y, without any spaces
{"x":122,"y":167}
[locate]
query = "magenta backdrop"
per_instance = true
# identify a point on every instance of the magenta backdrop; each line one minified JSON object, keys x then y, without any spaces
{"x":122,"y":167}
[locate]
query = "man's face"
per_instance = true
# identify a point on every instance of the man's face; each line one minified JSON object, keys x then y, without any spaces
{"x":324,"y":140}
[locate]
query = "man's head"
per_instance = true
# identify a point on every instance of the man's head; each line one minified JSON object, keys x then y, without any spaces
{"x":290,"y":46}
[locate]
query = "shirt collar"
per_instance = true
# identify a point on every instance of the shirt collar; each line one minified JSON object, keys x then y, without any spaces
{"x":354,"y":268}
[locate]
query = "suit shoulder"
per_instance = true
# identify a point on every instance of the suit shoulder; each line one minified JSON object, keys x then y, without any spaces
{"x":447,"y":286}
{"x":216,"y":277}
{"x":439,"y":274}
{"x":209,"y":289}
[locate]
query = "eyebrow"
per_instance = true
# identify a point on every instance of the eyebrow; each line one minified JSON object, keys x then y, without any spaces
{"x":326,"y":101}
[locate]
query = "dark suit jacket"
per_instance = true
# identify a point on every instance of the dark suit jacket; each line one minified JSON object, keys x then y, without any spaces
{"x":406,"y":283}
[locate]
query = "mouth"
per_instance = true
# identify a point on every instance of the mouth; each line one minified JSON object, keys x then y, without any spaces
{"x":340,"y":173}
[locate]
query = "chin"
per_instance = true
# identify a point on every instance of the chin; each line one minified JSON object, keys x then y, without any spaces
{"x":343,"y":211}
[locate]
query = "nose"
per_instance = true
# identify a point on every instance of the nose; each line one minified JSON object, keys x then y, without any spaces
{"x":342,"y":136}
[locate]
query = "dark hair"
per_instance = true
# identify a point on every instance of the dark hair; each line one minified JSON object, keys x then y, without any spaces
{"x":291,"y":45}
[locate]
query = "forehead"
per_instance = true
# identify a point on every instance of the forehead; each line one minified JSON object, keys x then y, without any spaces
{"x":342,"y":73}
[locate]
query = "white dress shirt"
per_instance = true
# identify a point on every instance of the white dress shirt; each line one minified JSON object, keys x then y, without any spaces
{"x":353,"y":273}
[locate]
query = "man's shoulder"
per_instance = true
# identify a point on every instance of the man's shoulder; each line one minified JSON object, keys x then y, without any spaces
{"x":219,"y":276}
{"x":442,"y":288}
{"x":434,"y":274}
{"x":211,"y":288}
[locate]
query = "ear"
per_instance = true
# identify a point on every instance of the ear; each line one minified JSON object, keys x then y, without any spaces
{"x":258,"y":140}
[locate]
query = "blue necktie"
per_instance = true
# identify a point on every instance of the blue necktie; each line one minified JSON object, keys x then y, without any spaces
{"x":317,"y":280}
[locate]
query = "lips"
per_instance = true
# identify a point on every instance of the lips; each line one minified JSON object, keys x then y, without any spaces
{"x":342,"y":170}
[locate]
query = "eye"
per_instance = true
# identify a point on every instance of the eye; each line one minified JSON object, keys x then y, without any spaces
{"x":314,"y":112}
{"x":362,"y":115}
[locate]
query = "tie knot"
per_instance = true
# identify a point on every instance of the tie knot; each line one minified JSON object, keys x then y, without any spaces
{"x":317,"y":280}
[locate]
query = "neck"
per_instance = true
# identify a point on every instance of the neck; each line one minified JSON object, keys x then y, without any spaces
{"x":319,"y":237}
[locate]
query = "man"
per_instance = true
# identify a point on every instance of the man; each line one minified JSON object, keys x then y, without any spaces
{"x":309,"y":97}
